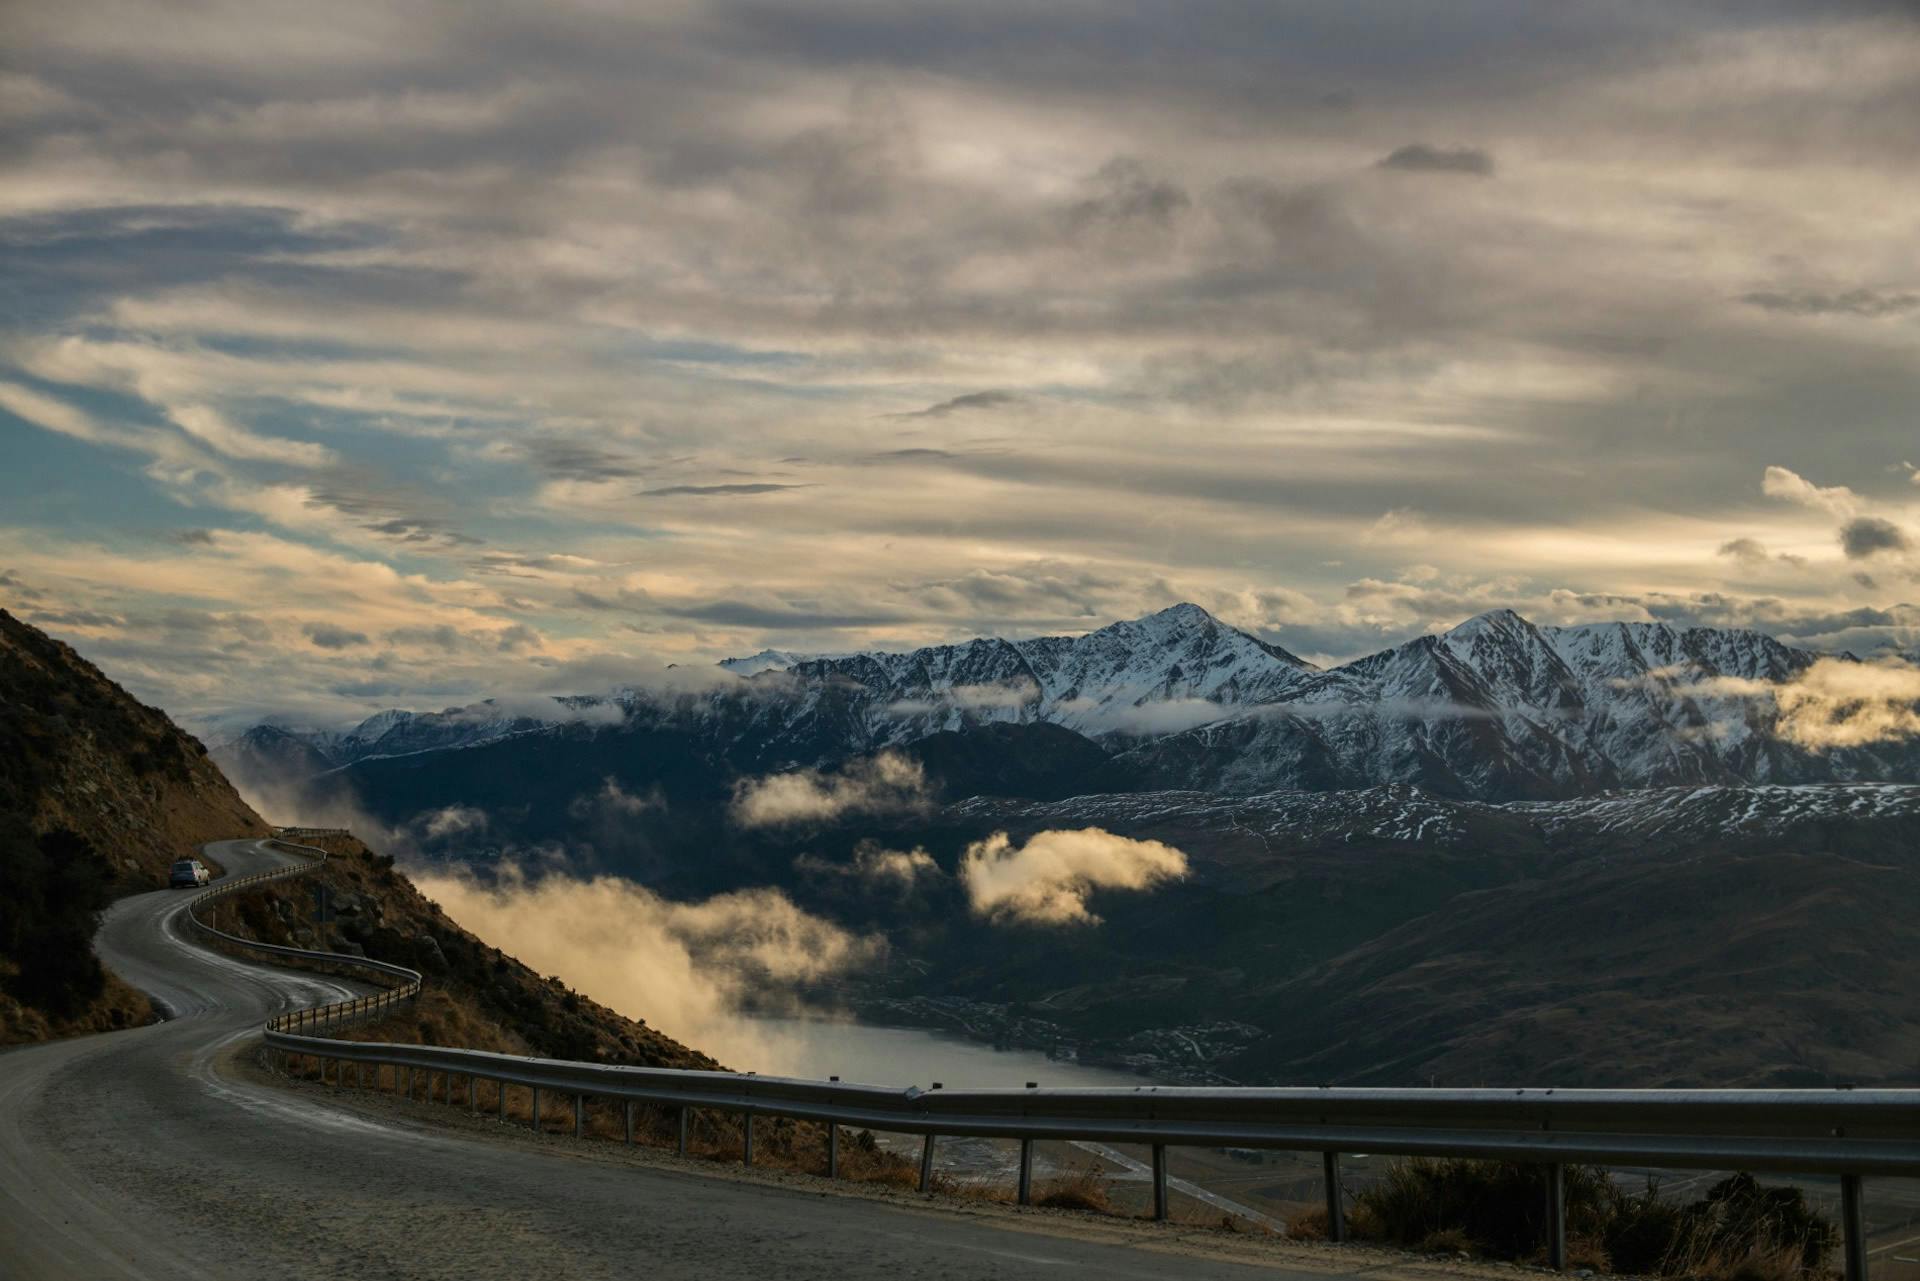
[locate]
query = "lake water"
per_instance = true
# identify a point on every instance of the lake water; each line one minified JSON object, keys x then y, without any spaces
{"x":898,"y":1056}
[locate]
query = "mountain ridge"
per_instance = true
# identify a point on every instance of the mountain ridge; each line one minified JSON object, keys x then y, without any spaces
{"x":1496,"y":707}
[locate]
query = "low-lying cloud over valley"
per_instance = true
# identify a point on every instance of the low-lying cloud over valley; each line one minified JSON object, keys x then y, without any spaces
{"x":886,"y":783}
{"x":1047,"y":879}
{"x":688,"y":968}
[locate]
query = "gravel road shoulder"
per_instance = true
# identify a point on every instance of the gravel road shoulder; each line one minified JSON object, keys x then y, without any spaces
{"x":1174,"y":1239}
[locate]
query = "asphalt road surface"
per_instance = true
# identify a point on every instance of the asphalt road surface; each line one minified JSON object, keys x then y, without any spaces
{"x":149,"y":1153}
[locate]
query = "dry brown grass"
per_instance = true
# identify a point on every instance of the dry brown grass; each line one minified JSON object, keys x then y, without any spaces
{"x":1448,"y":1241}
{"x":1758,"y":1263}
{"x":1080,"y":1188}
{"x":976,"y":1187}
{"x":1308,"y":1225}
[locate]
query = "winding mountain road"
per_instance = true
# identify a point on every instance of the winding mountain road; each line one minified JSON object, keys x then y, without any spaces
{"x":154,"y":1153}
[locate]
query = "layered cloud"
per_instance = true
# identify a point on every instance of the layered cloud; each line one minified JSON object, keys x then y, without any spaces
{"x":1048,"y":879}
{"x":607,"y":339}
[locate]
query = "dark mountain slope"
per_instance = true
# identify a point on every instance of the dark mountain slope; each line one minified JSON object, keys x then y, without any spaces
{"x":1689,"y":936}
{"x":1766,"y":968}
{"x":79,"y":752}
{"x":98,"y":794}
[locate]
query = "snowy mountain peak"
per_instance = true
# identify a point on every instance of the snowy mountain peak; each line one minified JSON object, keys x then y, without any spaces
{"x":1184,"y":615}
{"x":1494,"y":622}
{"x":767,"y":660}
{"x":378,"y":725}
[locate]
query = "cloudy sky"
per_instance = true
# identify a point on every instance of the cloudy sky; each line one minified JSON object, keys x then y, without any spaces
{"x":360,"y":355}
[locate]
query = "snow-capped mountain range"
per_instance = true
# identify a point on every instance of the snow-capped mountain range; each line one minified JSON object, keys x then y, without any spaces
{"x":1640,"y":819}
{"x":1497,"y":708}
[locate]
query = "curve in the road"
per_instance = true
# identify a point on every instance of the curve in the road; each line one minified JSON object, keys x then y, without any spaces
{"x":146,"y":1154}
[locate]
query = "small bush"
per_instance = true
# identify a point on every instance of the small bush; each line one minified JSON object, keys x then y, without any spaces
{"x":1740,"y":1231}
{"x":1082,"y":1188}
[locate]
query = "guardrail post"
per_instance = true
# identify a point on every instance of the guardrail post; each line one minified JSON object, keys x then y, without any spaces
{"x":680,"y":1142}
{"x":473,"y":1095}
{"x":629,"y":1119}
{"x":1026,"y":1172}
{"x":748,"y":1136}
{"x":1160,"y":1182}
{"x":926,"y":1164}
{"x":833,"y":1149}
{"x":1557,"y":1217}
{"x":446,"y":1080}
{"x":579,"y":1116}
{"x":1853,"y":1226}
{"x":1336,"y":1208}
{"x":536,"y":1109}
{"x":409,"y":1084}
{"x":500,"y":1087}
{"x":359,"y":1078}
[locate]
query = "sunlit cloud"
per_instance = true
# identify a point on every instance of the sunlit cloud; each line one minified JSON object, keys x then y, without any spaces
{"x":1048,"y":879}
{"x":606,"y":338}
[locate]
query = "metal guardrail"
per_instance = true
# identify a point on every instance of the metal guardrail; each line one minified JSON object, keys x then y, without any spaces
{"x":1845,"y":1132}
{"x":319,"y":1018}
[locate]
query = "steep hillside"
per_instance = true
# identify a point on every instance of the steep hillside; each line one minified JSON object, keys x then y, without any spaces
{"x":78,"y":752}
{"x":98,"y":794}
